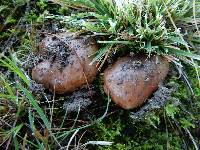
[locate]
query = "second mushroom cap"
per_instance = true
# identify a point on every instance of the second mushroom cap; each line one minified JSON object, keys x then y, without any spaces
{"x":131,"y":80}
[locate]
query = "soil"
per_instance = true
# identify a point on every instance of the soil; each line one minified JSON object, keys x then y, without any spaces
{"x":79,"y":100}
{"x":157,"y":101}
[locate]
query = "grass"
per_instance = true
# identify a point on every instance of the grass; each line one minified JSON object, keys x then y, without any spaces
{"x":24,"y":97}
{"x":147,"y":26}
{"x":150,"y":26}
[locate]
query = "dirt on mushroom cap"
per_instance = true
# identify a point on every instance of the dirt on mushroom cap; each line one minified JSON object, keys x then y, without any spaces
{"x":131,"y":80}
{"x":66,"y":62}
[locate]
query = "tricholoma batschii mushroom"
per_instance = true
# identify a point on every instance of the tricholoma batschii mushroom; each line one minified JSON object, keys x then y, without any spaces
{"x":66,"y":67}
{"x":131,"y":80}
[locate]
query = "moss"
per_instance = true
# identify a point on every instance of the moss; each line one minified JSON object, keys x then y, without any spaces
{"x":139,"y":136}
{"x":159,"y":130}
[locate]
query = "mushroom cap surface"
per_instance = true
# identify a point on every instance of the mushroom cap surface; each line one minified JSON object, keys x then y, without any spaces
{"x":131,"y":80}
{"x":67,"y":66}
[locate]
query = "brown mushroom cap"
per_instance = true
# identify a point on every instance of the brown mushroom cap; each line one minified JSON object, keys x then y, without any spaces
{"x":131,"y":80}
{"x":70,"y":68}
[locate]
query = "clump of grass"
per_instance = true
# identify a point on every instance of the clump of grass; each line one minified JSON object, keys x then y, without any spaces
{"x":140,"y":25}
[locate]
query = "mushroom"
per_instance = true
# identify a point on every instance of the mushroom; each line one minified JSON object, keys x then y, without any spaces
{"x":131,"y":80}
{"x":66,"y":66}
